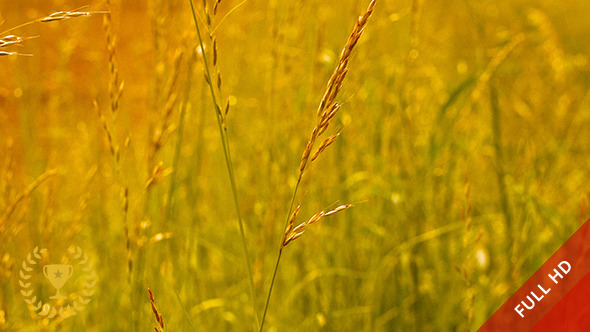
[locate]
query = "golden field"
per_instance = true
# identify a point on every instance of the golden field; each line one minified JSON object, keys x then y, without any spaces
{"x":128,"y":133}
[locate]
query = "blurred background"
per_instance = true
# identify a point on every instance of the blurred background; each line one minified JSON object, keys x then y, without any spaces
{"x":464,"y":144}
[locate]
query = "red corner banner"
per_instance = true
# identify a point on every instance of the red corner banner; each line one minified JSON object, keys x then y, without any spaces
{"x":556,"y":297}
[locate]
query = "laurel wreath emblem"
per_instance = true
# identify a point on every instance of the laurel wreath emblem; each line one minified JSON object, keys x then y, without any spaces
{"x":47,"y":310}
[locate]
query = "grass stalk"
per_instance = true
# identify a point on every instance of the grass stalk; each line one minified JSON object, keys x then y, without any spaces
{"x":179,"y":138}
{"x":274,"y":273}
{"x":327,"y":109}
{"x":228,"y":163}
{"x":502,"y":188}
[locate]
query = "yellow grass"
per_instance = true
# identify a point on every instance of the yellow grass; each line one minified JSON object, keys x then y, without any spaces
{"x":459,"y":135}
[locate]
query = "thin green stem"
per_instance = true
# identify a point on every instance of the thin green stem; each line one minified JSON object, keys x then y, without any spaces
{"x":272,"y":282}
{"x":502,"y":187}
{"x":228,"y":162}
{"x":183,"y":308}
{"x":228,"y":14}
{"x":274,"y":274}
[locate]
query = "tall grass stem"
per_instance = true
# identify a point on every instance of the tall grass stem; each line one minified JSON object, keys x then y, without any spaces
{"x":228,"y":163}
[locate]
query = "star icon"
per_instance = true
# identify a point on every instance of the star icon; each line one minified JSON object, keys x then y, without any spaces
{"x":58,"y":274}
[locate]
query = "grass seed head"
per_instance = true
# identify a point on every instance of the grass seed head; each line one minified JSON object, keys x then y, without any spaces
{"x":157,"y":314}
{"x":338,"y":209}
{"x":4,"y":53}
{"x":316,"y":217}
{"x":327,"y":142}
{"x":328,"y":107}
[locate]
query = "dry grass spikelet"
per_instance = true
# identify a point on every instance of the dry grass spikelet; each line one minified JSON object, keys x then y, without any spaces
{"x":215,"y":7}
{"x":11,"y":40}
{"x":328,"y":108}
{"x":115,"y":88}
{"x":163,"y":128}
{"x":290,"y":224}
{"x":5,"y":53}
{"x":327,"y":142}
{"x":127,"y":232}
{"x":292,"y":233}
{"x":157,"y":314}
{"x":113,"y":148}
{"x":158,"y":174}
{"x":216,"y":79}
{"x":66,"y":15}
